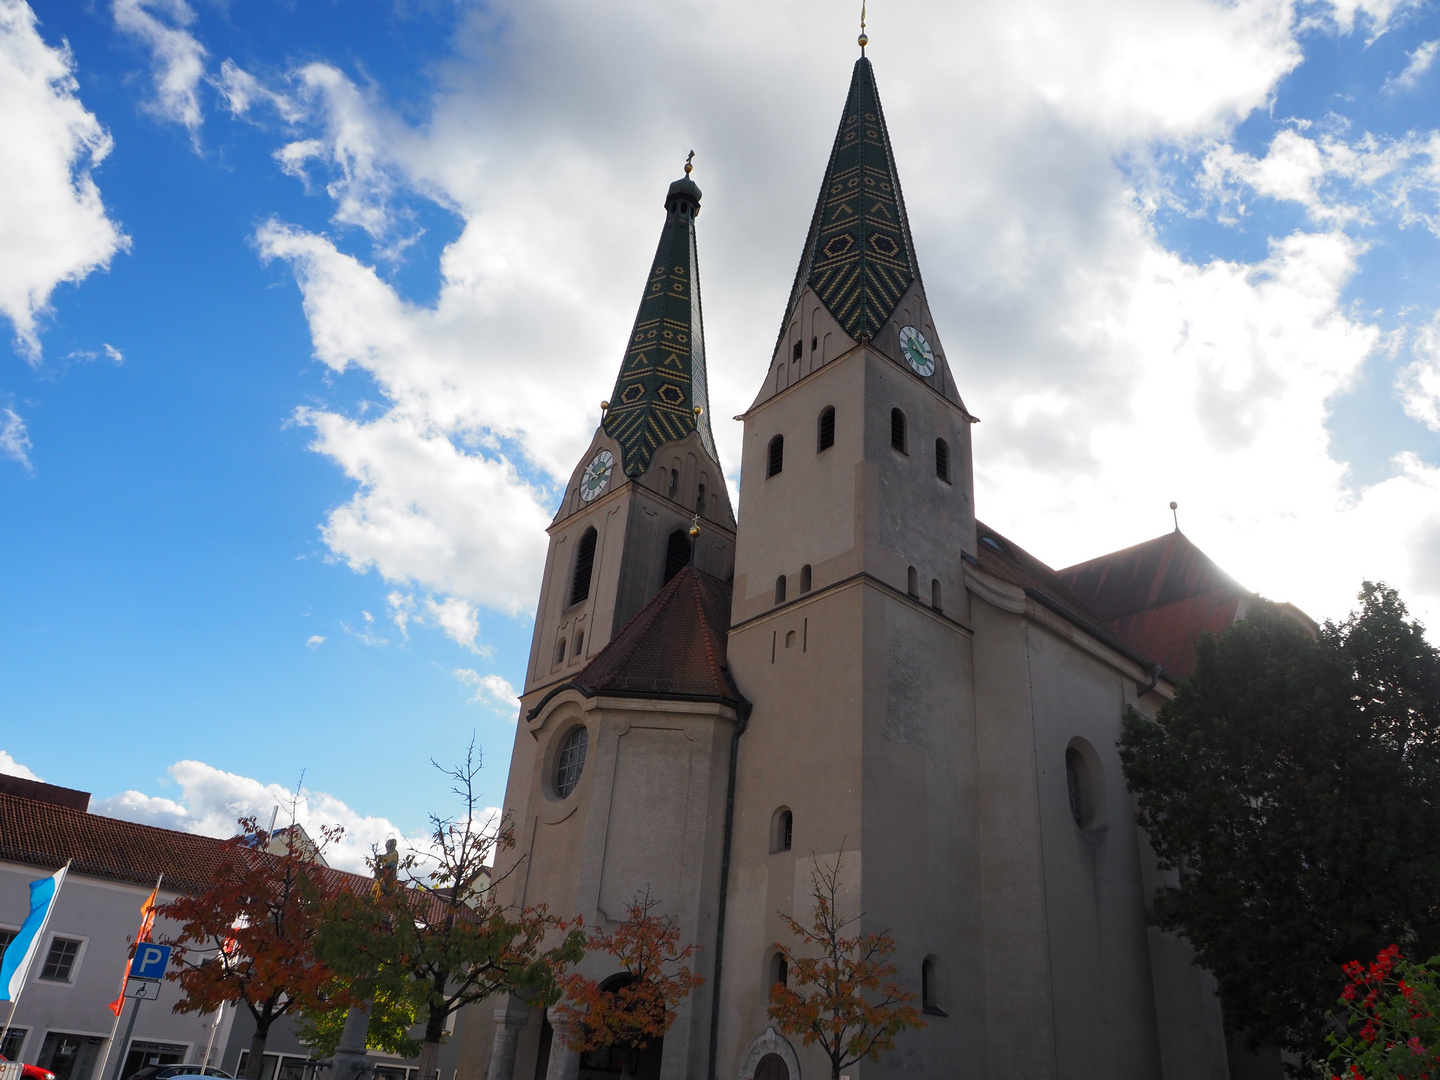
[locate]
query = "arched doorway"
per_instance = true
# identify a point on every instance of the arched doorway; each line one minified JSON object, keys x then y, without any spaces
{"x":769,"y":1057}
{"x":772,"y":1067}
{"x":632,"y":1063}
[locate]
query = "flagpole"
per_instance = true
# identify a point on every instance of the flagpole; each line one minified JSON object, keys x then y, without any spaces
{"x":40,"y":939}
{"x":124,"y":978}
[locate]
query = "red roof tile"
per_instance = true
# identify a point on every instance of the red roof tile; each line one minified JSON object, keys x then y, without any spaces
{"x":36,"y":789}
{"x":674,"y":647}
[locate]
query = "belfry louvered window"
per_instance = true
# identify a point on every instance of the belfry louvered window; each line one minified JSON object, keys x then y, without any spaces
{"x":677,"y":554}
{"x":776,"y":461}
{"x":897,"y":430}
{"x":584,"y":567}
{"x":942,"y":460}
{"x":825,"y":433}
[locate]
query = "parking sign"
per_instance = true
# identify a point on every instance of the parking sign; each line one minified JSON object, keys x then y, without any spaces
{"x":150,"y":961}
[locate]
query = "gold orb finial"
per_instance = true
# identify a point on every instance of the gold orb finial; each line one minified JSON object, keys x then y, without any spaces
{"x":698,"y":410}
{"x":694,"y":531}
{"x":689,"y":159}
{"x":604,"y":405}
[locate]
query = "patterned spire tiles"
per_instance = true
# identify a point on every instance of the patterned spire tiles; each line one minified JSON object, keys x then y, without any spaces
{"x":859,"y":257}
{"x":662,"y":379}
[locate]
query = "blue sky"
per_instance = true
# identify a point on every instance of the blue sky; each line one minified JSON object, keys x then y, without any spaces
{"x":309,"y":307}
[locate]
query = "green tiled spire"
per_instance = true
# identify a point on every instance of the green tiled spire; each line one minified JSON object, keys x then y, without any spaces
{"x":859,"y":257}
{"x":662,"y":380}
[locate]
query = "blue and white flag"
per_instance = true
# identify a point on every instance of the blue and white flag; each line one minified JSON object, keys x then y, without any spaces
{"x":22,"y":950}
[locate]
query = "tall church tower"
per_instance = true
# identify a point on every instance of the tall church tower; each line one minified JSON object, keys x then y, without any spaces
{"x":849,"y":626}
{"x":650,"y":474}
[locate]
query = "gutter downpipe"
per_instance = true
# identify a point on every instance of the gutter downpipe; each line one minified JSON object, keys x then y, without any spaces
{"x":742,"y":717}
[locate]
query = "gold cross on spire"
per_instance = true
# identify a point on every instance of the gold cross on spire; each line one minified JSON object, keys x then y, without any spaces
{"x":690,"y":157}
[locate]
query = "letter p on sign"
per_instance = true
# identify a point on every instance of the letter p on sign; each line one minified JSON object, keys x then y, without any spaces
{"x":150,"y":961}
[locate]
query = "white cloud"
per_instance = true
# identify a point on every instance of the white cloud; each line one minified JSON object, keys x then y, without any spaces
{"x":14,"y":438}
{"x":1419,"y":384}
{"x":492,"y":690}
{"x":211,"y":801}
{"x":241,"y":90}
{"x":10,"y":767}
{"x":53,"y":223}
{"x":314,"y":641}
{"x":177,"y":58}
{"x":1112,"y":374}
{"x":1421,"y":60}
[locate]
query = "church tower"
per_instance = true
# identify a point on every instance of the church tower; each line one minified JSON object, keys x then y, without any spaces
{"x":650,"y":474}
{"x":849,"y":627}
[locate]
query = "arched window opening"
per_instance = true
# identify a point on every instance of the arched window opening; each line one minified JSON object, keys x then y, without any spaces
{"x":677,"y":553}
{"x":674,"y":482}
{"x":779,"y":970}
{"x":935,"y":594}
{"x":571,"y":762}
{"x":897,"y":430}
{"x":795,"y":353}
{"x":805,"y":578}
{"x":1074,"y":786}
{"x":584,"y":565}
{"x":825,"y":435}
{"x":790,"y":638}
{"x":776,"y":460}
{"x":912,"y":583}
{"x":930,"y":988}
{"x":942,"y":460}
{"x":579,"y":644}
{"x":814,"y":343}
{"x":782,"y":829}
{"x":780,"y":589}
{"x":700,"y":500}
{"x":560,"y":651}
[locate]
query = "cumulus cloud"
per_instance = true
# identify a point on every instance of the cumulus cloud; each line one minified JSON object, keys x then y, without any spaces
{"x":492,"y":690}
{"x":10,"y":767}
{"x":177,"y":59}
{"x":53,"y":224}
{"x":1421,"y":60}
{"x":14,"y":438}
{"x":212,"y":800}
{"x":1112,"y":374}
{"x":1419,"y":384}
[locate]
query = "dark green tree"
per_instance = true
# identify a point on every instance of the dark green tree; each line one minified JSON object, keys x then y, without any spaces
{"x":1293,"y":782}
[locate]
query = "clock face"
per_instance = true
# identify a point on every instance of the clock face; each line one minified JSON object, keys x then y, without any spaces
{"x":597,"y":475}
{"x":917,"y":351}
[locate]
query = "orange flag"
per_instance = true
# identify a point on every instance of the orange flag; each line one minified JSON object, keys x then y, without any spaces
{"x":147,"y":923}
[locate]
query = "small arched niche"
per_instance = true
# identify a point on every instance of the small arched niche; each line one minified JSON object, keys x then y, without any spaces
{"x":935,"y":594}
{"x":912,"y":582}
{"x":782,"y":830}
{"x":780,"y":589}
{"x":1085,"y":786}
{"x":805,"y":578}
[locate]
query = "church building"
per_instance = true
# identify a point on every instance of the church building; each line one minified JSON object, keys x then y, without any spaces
{"x":848,"y":665}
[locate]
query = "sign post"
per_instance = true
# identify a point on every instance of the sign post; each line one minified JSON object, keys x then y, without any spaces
{"x":146,"y":971}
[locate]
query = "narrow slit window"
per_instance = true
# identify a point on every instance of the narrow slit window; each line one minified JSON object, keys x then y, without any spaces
{"x":700,"y":500}
{"x":579,"y":644}
{"x":912,"y":582}
{"x":674,"y":482}
{"x":584,"y":566}
{"x":780,"y":971}
{"x":677,"y":554}
{"x":825,"y":433}
{"x":897,"y":430}
{"x":942,"y":460}
{"x":814,"y":343}
{"x":799,"y":347}
{"x":776,"y":461}
{"x":560,"y":651}
{"x":805,"y":578}
{"x":780,"y":589}
{"x":935,"y":594}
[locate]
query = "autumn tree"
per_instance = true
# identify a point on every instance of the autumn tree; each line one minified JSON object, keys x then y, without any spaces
{"x":248,"y":936}
{"x":440,"y":938}
{"x":1294,"y":783}
{"x":636,"y":1005}
{"x":855,"y":1006}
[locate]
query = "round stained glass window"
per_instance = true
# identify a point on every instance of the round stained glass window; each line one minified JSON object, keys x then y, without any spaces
{"x":572,"y":761}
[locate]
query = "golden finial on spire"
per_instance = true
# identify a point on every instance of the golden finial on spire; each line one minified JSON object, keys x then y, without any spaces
{"x":864,"y":40}
{"x":690,"y":157}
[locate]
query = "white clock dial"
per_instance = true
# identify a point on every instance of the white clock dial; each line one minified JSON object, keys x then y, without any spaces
{"x":917,"y":351}
{"x":596,"y":477}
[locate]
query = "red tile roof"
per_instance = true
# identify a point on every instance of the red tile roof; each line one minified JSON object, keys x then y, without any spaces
{"x":46,"y":835}
{"x":1160,"y":596}
{"x":674,"y":647}
{"x":36,"y":789}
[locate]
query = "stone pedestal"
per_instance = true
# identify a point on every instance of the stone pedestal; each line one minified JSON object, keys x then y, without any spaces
{"x":509,"y":1019}
{"x":349,"y":1062}
{"x":564,"y":1062}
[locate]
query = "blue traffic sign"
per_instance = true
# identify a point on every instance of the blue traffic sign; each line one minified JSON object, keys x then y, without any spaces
{"x":150,"y":961}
